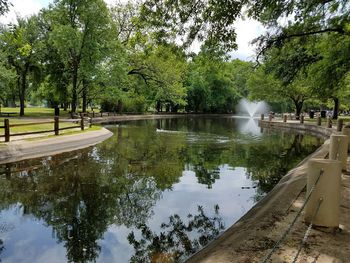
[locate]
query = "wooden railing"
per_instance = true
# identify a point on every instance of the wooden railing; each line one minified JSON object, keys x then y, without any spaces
{"x":80,"y":123}
{"x":93,"y":114}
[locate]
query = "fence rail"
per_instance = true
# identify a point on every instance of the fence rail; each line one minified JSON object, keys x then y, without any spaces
{"x":56,"y":127}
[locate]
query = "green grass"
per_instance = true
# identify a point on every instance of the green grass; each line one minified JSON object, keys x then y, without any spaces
{"x":39,"y":112}
{"x":35,"y":112}
{"x":32,"y":114}
{"x":33,"y":128}
{"x":67,"y":132}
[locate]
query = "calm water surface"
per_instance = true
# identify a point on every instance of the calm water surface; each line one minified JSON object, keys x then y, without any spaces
{"x":156,"y":190}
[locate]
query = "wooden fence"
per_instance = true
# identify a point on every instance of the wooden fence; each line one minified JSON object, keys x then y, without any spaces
{"x":56,"y":127}
{"x":93,"y":114}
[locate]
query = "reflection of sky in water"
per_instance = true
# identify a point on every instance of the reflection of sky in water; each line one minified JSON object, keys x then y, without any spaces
{"x":182,"y":200}
{"x":204,"y":146}
{"x":29,"y":240}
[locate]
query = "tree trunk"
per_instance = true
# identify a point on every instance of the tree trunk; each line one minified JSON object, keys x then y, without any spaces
{"x":158,"y":106}
{"x":120,"y":106}
{"x":74,"y":87}
{"x":22,"y":91}
{"x":175,"y":108}
{"x":298,"y":108}
{"x":85,"y":91}
{"x":335,"y":108}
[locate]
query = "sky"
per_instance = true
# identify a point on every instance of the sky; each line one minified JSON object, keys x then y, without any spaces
{"x":247,"y":29}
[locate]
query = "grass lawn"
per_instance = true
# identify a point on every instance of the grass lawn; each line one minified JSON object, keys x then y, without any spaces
{"x":68,"y":132}
{"x":32,"y":128}
{"x":33,"y":116}
{"x":35,"y":112}
{"x":39,"y":112}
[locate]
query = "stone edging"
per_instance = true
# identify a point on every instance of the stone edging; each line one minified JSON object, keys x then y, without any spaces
{"x":308,"y":128}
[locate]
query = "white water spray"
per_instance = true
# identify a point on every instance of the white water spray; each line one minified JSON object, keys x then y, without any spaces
{"x":252,"y":108}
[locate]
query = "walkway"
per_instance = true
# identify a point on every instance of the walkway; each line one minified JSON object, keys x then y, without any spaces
{"x":19,"y":150}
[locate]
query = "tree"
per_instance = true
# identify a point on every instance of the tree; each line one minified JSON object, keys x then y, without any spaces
{"x":305,"y":18}
{"x":21,"y":43}
{"x":7,"y":80}
{"x":162,"y":70}
{"x":205,"y":20}
{"x":329,"y":73}
{"x":4,"y":6}
{"x":211,"y":83}
{"x":310,"y":21}
{"x":78,"y":33}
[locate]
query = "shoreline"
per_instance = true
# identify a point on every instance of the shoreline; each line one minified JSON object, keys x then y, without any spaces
{"x":256,"y":232}
{"x":253,"y":235}
{"x":21,"y":150}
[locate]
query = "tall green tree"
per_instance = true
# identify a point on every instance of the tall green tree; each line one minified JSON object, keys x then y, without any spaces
{"x":205,"y":20}
{"x":21,"y":43}
{"x":308,"y":21}
{"x":213,"y":85}
{"x":78,"y":33}
{"x":329,"y":74}
{"x":162,"y":70}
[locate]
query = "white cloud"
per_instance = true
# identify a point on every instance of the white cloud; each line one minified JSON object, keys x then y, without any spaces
{"x":21,"y":8}
{"x":246,"y":30}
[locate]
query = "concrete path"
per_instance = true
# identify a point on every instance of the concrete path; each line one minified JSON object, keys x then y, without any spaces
{"x":20,"y":150}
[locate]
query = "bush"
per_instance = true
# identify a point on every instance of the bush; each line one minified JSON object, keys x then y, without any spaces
{"x":108,"y":106}
{"x":137,"y":104}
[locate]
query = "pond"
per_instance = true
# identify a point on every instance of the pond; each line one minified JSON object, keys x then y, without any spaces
{"x":156,"y":190}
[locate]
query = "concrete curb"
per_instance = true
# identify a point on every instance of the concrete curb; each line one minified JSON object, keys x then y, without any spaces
{"x":21,"y":150}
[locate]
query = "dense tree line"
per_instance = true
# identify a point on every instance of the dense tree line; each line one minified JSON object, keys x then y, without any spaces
{"x":135,"y":57}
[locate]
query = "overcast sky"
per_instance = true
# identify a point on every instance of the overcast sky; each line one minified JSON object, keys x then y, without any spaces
{"x":246,"y":30}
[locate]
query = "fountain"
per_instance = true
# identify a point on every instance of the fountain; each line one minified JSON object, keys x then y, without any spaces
{"x":252,"y":108}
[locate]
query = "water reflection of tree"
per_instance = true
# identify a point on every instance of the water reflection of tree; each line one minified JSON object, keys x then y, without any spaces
{"x":1,"y":247}
{"x":276,"y":159}
{"x":179,"y":238}
{"x":118,"y":182}
{"x":79,"y":201}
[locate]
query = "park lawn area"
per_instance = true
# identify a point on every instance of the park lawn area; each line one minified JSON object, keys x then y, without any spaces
{"x":37,"y":112}
{"x":67,"y":132}
{"x":32,"y":128}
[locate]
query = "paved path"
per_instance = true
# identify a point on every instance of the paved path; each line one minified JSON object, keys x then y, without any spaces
{"x":20,"y":150}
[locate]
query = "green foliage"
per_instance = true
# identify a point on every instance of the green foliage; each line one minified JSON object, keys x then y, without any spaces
{"x":21,"y":44}
{"x":161,"y":71}
{"x":133,"y":57}
{"x":208,"y":21}
{"x":215,"y":85}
